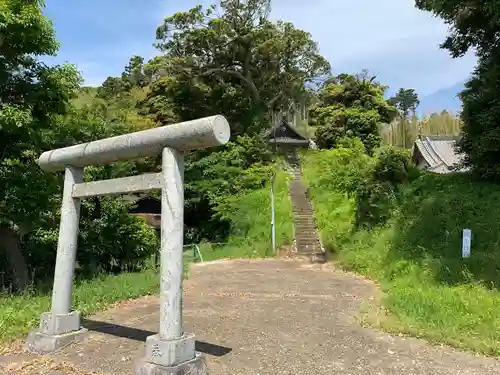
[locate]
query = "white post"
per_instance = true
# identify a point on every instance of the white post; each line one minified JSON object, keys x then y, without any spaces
{"x":67,"y":243}
{"x":172,"y":239}
{"x":273,"y":221}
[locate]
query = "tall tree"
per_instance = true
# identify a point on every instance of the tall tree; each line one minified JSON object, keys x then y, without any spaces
{"x":405,"y":100}
{"x":134,"y":75}
{"x":353,"y":106}
{"x":261,"y":64}
{"x":474,"y":26}
{"x":31,"y":94}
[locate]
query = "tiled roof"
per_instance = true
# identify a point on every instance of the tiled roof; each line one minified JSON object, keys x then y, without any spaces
{"x":439,"y":152}
{"x":285,"y":132}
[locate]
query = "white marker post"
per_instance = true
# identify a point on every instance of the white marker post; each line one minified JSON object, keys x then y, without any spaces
{"x":466,"y":242}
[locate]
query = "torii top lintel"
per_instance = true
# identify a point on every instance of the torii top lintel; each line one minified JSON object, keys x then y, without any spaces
{"x":185,"y":136}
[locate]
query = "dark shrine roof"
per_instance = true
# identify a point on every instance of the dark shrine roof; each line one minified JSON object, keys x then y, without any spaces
{"x":284,"y":133}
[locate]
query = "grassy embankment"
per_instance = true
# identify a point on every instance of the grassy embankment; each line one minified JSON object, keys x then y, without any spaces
{"x":429,"y":290}
{"x":250,"y":238}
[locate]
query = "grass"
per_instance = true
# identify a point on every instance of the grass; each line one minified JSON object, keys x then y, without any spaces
{"x":251,"y":231}
{"x":429,"y":290}
{"x":251,"y":237}
{"x":19,"y":314}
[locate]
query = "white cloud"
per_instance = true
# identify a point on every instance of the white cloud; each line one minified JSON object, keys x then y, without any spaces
{"x":389,"y":37}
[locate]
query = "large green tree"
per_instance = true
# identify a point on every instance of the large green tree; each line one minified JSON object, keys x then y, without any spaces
{"x":31,"y":94}
{"x":232,"y":60}
{"x":405,"y":100}
{"x":474,"y":26}
{"x":36,"y":114}
{"x":351,"y":106}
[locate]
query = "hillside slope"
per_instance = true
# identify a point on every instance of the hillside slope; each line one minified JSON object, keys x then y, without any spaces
{"x":429,"y":290}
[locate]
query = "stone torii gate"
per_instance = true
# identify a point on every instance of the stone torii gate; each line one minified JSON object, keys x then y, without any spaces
{"x":171,"y":351}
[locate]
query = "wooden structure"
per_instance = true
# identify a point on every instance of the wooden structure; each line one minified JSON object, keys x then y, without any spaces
{"x":147,"y":207}
{"x":285,"y":137}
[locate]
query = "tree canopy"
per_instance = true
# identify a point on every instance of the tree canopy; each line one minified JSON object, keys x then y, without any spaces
{"x":405,"y":100}
{"x":233,"y":59}
{"x":353,"y":106}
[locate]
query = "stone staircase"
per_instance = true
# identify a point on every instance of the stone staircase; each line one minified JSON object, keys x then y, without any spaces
{"x":307,"y":242}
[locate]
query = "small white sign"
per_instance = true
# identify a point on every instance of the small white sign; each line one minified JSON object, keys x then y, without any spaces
{"x":466,"y":241}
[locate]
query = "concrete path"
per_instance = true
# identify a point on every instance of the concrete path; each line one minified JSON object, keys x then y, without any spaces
{"x":257,"y":318}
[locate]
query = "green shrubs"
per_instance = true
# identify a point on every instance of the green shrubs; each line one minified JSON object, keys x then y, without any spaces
{"x":110,"y":240}
{"x":375,"y":193}
{"x":250,"y":218}
{"x":352,"y":106}
{"x":371,"y":181}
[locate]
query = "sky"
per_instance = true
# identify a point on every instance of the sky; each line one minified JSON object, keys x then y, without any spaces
{"x":390,"y":38}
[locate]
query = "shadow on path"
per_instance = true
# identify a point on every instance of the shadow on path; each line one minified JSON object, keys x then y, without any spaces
{"x":137,"y":334}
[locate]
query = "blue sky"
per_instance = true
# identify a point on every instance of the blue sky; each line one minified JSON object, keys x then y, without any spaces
{"x":390,"y":38}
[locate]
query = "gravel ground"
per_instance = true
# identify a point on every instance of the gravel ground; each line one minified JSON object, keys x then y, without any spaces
{"x":256,"y":318}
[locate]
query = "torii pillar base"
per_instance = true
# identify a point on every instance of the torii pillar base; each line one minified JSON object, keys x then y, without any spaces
{"x":195,"y":366}
{"x":56,"y":331}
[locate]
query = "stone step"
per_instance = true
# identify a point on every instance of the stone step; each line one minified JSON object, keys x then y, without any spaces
{"x":307,"y":240}
{"x":305,"y":231}
{"x":307,"y":244}
{"x":306,"y":236}
{"x":309,"y":222}
{"x":310,"y":234}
